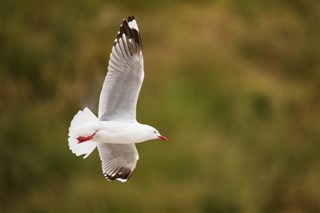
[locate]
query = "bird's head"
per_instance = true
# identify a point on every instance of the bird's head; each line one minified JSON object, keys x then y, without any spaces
{"x":154,"y":134}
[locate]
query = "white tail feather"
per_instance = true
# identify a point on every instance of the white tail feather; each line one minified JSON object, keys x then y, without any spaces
{"x":80,"y":127}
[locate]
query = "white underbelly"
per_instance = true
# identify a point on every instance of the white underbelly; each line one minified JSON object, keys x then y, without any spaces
{"x":116,"y":132}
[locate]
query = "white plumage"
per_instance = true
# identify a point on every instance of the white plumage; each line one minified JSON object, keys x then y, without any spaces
{"x":116,"y":130}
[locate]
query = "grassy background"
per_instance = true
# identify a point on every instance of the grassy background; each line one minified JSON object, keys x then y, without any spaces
{"x":234,"y":85}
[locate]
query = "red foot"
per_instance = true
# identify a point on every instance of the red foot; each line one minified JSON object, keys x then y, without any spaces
{"x":82,"y":139}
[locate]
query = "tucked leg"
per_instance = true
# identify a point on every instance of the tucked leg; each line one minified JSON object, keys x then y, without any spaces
{"x":82,"y":139}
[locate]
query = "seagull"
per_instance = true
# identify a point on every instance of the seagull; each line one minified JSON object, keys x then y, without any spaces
{"x":116,"y":131}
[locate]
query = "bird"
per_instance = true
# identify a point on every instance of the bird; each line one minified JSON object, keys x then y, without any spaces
{"x":116,"y":130}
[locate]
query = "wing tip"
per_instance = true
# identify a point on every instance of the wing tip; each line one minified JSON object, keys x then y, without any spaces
{"x":133,"y":23}
{"x":131,"y":18}
{"x":122,"y":175}
{"x":130,"y":29}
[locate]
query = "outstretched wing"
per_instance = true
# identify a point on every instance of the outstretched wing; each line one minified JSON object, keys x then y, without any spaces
{"x":118,"y":99}
{"x":118,"y":160}
{"x":120,"y":91}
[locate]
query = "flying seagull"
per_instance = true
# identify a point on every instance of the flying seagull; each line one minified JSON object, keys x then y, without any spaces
{"x":116,"y":131}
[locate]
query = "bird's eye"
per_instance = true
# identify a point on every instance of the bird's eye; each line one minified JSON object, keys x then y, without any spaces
{"x":155,"y":132}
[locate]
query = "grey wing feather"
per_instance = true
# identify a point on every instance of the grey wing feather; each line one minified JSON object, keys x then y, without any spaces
{"x":119,"y":97}
{"x":120,"y":91}
{"x":118,"y":160}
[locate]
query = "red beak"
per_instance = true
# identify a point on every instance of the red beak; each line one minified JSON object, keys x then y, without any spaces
{"x":163,"y":138}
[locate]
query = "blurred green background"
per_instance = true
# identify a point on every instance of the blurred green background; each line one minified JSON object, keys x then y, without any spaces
{"x":234,"y":85}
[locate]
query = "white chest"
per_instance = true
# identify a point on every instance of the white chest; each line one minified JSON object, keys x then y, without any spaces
{"x":118,"y":132}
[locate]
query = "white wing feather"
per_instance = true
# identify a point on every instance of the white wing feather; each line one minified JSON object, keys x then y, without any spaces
{"x":119,"y":97}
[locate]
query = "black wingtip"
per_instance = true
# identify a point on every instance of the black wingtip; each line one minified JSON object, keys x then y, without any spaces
{"x":123,"y":174}
{"x":130,"y":18}
{"x":129,"y":32}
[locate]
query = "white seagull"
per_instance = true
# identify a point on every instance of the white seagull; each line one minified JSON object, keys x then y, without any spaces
{"x":116,"y":131}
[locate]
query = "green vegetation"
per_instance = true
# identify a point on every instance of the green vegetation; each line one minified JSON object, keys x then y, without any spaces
{"x":234,"y":85}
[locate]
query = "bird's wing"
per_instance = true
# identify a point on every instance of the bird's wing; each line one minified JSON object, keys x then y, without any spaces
{"x":120,"y":91}
{"x":119,"y":96}
{"x":118,"y":160}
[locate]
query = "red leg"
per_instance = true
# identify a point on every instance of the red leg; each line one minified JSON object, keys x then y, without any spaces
{"x":82,"y":139}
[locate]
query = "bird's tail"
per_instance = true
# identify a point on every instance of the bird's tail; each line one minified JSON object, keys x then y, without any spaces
{"x":79,"y":128}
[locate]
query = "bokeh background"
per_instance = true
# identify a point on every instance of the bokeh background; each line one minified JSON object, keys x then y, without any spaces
{"x":234,"y":85}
